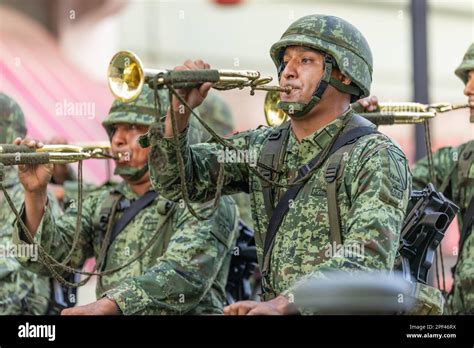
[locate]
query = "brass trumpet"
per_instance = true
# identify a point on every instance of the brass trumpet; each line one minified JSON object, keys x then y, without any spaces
{"x":126,"y":77}
{"x":56,"y":154}
{"x":386,"y":114}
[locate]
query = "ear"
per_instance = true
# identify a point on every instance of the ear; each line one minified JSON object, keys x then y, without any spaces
{"x":341,"y":77}
{"x":345,"y":80}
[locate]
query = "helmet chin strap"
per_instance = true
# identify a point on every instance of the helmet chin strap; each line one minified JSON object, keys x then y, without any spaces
{"x":132,"y":174}
{"x":298,"y":110}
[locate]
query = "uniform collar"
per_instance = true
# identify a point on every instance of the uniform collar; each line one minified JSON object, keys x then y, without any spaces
{"x":320,"y":138}
{"x":126,"y":191}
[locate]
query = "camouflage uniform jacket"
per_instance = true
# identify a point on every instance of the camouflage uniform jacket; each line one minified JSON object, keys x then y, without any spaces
{"x":461,"y":192}
{"x":21,"y":291}
{"x":184,"y":271}
{"x":373,"y":198}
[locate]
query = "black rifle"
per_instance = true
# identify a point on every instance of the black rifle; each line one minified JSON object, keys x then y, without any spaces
{"x":243,"y":265}
{"x":423,"y":230}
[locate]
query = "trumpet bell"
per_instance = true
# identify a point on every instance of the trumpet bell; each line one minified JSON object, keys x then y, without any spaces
{"x":273,"y":115}
{"x":125,"y":76}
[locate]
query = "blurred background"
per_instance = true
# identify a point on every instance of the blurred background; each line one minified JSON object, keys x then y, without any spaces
{"x":54,"y":57}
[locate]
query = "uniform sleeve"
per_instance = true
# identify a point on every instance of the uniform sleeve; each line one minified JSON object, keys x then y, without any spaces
{"x":443,"y":162}
{"x":201,"y":163}
{"x":187,"y":270}
{"x":56,"y":234}
{"x":379,"y":184}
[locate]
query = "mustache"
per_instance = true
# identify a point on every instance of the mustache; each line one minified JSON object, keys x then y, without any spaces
{"x":291,"y":85}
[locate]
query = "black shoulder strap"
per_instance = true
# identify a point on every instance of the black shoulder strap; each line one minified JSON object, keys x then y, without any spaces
{"x":282,"y":207}
{"x":131,"y":212}
{"x":271,"y":157}
{"x":333,"y":172}
{"x":105,"y":212}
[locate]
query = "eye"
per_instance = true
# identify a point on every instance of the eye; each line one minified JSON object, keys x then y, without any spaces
{"x":306,"y":60}
{"x":133,"y":127}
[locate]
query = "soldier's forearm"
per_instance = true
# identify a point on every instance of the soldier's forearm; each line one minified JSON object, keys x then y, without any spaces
{"x":165,"y":173}
{"x":182,"y":121}
{"x":34,"y":210}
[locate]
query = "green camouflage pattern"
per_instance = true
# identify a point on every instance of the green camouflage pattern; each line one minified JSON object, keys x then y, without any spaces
{"x":21,"y":292}
{"x":141,"y":111}
{"x":71,"y":190}
{"x":445,"y":163}
{"x":217,"y":114}
{"x":335,"y":36}
{"x":466,"y":65}
{"x":12,"y":120}
{"x":373,"y":198}
{"x":428,"y":300}
{"x":184,"y":272}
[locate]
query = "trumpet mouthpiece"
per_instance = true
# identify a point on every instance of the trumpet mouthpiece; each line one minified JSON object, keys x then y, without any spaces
{"x":286,"y":89}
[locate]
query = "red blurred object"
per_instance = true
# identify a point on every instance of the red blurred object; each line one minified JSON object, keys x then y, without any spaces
{"x":228,"y":2}
{"x":56,"y":98}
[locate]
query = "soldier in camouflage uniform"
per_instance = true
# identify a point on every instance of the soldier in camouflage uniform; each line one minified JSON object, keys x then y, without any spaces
{"x":454,"y":176}
{"x":185,"y":269}
{"x":21,"y":291}
{"x":328,"y":64}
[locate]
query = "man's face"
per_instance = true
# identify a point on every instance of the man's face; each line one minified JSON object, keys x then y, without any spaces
{"x":303,"y":68}
{"x":469,"y":89}
{"x":469,"y":92}
{"x":124,"y":142}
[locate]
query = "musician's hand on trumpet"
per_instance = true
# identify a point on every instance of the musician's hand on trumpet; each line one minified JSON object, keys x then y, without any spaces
{"x":369,"y":104}
{"x":61,"y":172}
{"x":192,"y":96}
{"x":35,"y":179}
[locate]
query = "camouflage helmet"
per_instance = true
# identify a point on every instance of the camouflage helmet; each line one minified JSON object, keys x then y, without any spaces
{"x":141,"y":111}
{"x":216,"y":112}
{"x":466,"y":65}
{"x":12,"y":120}
{"x":344,"y":47}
